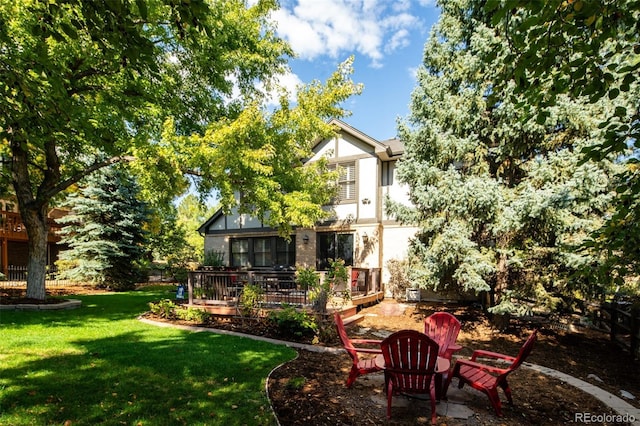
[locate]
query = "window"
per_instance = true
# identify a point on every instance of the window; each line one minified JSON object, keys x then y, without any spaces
{"x":262,"y":252}
{"x":332,"y":245}
{"x":285,"y":252}
{"x":240,"y":252}
{"x":346,"y":180}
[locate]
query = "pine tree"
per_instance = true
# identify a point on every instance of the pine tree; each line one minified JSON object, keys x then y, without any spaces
{"x":502,"y":200}
{"x":105,"y":231}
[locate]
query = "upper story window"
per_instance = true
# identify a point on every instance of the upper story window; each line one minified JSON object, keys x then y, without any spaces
{"x":346,"y":181}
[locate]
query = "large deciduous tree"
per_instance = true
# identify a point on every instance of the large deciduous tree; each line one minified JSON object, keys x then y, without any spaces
{"x":87,"y":84}
{"x":501,"y":201}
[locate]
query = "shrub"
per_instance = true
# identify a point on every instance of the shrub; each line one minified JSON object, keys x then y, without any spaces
{"x":192,"y":314}
{"x":164,"y":308}
{"x":250,"y":300}
{"x":293,"y":323}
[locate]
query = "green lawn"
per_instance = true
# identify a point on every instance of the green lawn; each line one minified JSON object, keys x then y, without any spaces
{"x":99,"y":365}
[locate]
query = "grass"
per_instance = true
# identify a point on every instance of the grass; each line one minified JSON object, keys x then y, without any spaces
{"x":99,"y":365}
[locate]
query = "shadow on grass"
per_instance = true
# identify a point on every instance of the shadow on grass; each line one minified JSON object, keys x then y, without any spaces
{"x":127,"y":372}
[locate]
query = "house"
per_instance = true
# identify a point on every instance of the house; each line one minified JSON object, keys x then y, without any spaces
{"x":360,"y":232}
{"x":14,"y":252}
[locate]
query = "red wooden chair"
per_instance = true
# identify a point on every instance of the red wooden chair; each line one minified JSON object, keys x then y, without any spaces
{"x":410,"y":362}
{"x":360,"y":366}
{"x":443,"y":328}
{"x":487,"y":378}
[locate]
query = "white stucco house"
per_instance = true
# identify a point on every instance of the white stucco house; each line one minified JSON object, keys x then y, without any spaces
{"x":360,"y":232}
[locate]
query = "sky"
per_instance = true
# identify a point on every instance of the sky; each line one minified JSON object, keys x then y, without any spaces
{"x":386,"y":38}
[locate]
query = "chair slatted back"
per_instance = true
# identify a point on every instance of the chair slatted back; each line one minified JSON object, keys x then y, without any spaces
{"x":410,"y":360}
{"x":443,"y":328}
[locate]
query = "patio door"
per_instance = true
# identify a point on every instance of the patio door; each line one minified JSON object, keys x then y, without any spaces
{"x":333,"y":245}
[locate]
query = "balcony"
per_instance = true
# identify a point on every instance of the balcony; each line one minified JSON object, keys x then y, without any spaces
{"x":12,"y":228}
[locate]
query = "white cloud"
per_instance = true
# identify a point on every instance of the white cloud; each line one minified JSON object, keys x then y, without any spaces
{"x":337,"y":28}
{"x":288,"y":83}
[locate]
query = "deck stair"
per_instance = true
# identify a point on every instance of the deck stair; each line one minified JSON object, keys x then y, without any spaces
{"x":352,"y":320}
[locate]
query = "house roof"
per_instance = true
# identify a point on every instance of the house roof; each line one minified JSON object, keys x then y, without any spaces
{"x":386,"y":150}
{"x":203,"y":228}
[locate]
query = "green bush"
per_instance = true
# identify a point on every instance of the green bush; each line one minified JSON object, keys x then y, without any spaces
{"x":167,"y":309}
{"x":290,"y":322}
{"x":250,"y":300}
{"x":164,"y":308}
{"x":192,"y":314}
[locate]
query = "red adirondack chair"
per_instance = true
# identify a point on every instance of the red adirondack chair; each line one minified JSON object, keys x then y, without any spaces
{"x":360,"y":366}
{"x":443,"y":328}
{"x":410,"y":362}
{"x":487,"y":378}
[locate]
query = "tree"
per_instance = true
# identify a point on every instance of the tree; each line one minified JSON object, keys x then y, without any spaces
{"x":584,"y":49}
{"x":191,"y":213}
{"x":105,"y":231}
{"x":501,"y":201}
{"x":89,"y":84}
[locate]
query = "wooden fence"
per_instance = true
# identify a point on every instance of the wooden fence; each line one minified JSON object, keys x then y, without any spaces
{"x":622,"y":321}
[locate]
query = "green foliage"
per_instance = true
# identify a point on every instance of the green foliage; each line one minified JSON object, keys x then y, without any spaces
{"x":105,"y":232}
{"x":334,"y":287}
{"x":164,"y":308}
{"x":296,"y":383}
{"x":307,"y":278}
{"x":502,"y":198}
{"x":214,"y":258}
{"x":89,"y":84}
{"x":191,"y":213}
{"x":509,"y":305}
{"x":251,"y":300}
{"x":291,"y":322}
{"x":101,"y":359}
{"x":192,"y":314}
{"x":584,"y":50}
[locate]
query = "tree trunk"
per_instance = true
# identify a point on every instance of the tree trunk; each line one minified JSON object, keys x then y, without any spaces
{"x":502,"y":278}
{"x":37,"y":227}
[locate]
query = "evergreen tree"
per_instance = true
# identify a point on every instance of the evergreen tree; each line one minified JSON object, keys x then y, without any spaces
{"x":105,"y":231}
{"x":502,"y":200}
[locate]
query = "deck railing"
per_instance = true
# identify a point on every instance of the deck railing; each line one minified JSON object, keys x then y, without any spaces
{"x":16,"y":276}
{"x":12,"y":227}
{"x":213,"y":286}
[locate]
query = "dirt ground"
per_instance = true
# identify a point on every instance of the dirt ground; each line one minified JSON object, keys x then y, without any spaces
{"x":310,"y":389}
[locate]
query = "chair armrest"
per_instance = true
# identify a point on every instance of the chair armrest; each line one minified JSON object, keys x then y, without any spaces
{"x":366,"y":342}
{"x":488,"y":354}
{"x":368,"y":350}
{"x":454,"y":347}
{"x":369,"y":342}
{"x":479,"y":366}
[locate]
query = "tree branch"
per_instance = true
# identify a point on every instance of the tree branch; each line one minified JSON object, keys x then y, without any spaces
{"x":87,"y":171}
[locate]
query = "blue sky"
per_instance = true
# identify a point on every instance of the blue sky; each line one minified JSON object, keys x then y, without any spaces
{"x":386,"y":37}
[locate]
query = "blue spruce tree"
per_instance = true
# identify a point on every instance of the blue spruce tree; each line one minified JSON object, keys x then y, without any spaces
{"x":105,"y":232}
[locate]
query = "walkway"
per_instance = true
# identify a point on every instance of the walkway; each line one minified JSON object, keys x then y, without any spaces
{"x":455,"y":406}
